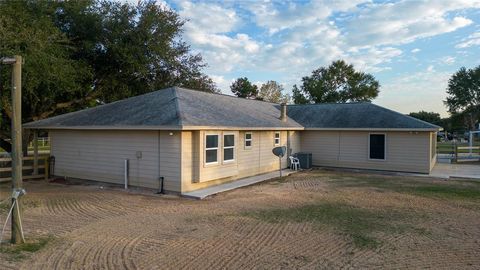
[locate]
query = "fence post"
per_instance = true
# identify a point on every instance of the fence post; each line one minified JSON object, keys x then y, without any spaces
{"x":455,"y":150}
{"x":35,"y":152}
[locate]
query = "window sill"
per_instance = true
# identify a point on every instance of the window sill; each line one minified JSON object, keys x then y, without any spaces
{"x":375,"y":159}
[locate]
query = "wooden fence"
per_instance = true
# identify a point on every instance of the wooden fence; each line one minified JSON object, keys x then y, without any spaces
{"x":467,"y":153}
{"x":28,"y":168}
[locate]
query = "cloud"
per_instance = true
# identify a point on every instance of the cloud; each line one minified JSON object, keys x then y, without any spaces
{"x":277,"y":16}
{"x":222,"y":83}
{"x":448,"y":60}
{"x":471,"y":40}
{"x":414,"y":92}
{"x":210,"y":18}
{"x":210,"y":29}
{"x":290,"y":39}
{"x":404,"y":21}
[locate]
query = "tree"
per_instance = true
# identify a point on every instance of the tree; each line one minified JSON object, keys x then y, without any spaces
{"x":79,"y":54}
{"x":430,"y":117}
{"x":298,"y":97}
{"x":464,"y":94}
{"x":338,"y":82}
{"x":272,"y":91}
{"x":243,"y":88}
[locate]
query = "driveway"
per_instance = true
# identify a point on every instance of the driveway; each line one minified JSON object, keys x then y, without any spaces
{"x":456,"y":170}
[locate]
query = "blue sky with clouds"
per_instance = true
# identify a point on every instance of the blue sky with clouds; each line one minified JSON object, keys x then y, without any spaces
{"x":411,"y":47}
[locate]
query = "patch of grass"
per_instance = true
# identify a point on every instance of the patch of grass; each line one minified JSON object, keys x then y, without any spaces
{"x":21,"y":251}
{"x":357,"y":223}
{"x":460,"y":190}
{"x":26,"y":203}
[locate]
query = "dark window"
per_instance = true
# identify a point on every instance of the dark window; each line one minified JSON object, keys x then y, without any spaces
{"x":248,"y":139}
{"x":211,"y":155}
{"x":228,"y":154}
{"x":211,"y":148}
{"x":228,"y":147}
{"x":277,"y":138}
{"x":377,"y":146}
{"x":212,"y":141}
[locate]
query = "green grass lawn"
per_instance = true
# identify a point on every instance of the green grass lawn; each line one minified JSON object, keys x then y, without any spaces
{"x":362,"y":225}
{"x":354,"y":222}
{"x":21,"y":251}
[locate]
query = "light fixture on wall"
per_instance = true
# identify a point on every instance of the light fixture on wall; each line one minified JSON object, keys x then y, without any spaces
{"x":171,"y":133}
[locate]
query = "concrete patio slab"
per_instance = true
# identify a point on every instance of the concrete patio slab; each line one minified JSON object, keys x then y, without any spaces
{"x":205,"y":192}
{"x":443,"y":170}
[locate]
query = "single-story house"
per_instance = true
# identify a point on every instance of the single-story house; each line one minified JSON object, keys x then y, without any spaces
{"x":193,"y":139}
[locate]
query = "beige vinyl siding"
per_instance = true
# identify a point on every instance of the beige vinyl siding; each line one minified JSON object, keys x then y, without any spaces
{"x":405,"y":151}
{"x":170,"y":159}
{"x":248,"y":161}
{"x":100,"y":155}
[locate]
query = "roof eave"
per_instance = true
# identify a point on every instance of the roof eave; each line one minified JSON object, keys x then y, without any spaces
{"x":377,"y":129}
{"x":159,"y":128}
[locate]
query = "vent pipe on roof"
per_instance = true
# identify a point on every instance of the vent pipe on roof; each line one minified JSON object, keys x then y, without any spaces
{"x":283,"y":112}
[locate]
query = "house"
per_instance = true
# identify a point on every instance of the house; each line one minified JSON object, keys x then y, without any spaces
{"x":193,"y":139}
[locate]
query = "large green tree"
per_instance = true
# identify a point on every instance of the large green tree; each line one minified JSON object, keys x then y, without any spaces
{"x":339,"y":82}
{"x":464,"y":95}
{"x":83,"y":53}
{"x":272,"y":91}
{"x":243,"y":88}
{"x":430,"y":117}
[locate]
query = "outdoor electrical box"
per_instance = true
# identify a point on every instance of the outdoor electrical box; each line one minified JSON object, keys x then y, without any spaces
{"x":305,"y":159}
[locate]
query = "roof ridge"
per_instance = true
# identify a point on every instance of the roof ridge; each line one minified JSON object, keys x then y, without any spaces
{"x":177,"y":105}
{"x":225,"y":95}
{"x":331,"y":103}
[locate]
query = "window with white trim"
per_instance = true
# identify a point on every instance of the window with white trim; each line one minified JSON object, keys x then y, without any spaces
{"x":276,"y":139}
{"x":228,"y":147}
{"x":248,"y":140}
{"x":377,"y":146}
{"x":211,"y":149}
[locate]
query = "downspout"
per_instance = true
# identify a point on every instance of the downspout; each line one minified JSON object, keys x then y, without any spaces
{"x":125,"y":173}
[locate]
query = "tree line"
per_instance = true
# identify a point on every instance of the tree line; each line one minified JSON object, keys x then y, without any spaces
{"x":339,"y":82}
{"x":79,"y":54}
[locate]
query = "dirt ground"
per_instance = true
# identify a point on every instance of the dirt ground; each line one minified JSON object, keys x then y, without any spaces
{"x":311,"y":220}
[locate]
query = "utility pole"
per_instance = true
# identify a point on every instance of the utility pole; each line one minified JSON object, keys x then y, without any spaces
{"x":17,"y":154}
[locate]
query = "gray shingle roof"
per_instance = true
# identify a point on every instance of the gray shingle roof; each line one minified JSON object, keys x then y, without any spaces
{"x":362,"y":115}
{"x":179,"y":108}
{"x":173,"y":108}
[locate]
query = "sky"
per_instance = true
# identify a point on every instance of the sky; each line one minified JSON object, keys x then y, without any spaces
{"x":411,"y":47}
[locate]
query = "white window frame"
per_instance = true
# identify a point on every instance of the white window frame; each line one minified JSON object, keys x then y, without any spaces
{"x":228,"y":147}
{"x":384,"y":147}
{"x":211,"y":148}
{"x":275,"y":138}
{"x":248,"y":140}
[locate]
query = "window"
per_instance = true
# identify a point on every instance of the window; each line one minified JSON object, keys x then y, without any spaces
{"x":377,"y":146}
{"x":277,"y":138}
{"x":248,"y":140}
{"x":228,"y":147}
{"x":211,"y":149}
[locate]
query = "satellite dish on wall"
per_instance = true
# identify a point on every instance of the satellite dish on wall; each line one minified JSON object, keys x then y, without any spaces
{"x":279,"y":151}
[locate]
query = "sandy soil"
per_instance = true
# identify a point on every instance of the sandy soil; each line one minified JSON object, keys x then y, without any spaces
{"x":96,"y":228}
